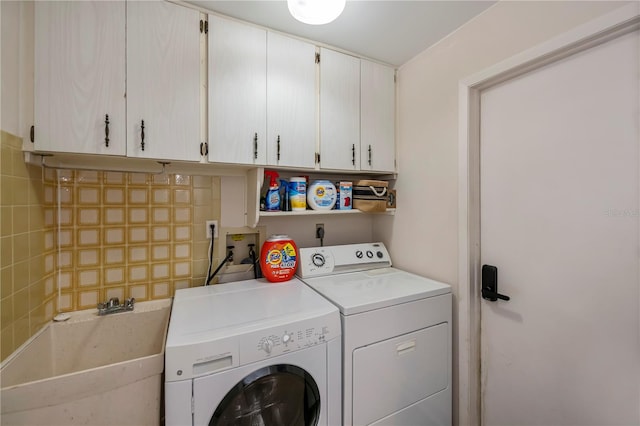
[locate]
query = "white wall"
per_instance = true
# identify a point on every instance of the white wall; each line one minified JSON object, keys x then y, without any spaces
{"x":339,"y":229}
{"x":423,"y":235}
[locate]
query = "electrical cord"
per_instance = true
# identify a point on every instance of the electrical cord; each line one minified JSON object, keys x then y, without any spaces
{"x":320,"y":234}
{"x":226,"y":259}
{"x":213,"y":228}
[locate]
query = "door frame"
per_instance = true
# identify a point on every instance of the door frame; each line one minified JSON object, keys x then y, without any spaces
{"x":600,"y":30}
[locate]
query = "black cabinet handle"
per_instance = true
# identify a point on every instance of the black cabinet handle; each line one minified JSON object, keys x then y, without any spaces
{"x":255,"y":146}
{"x":106,"y":130}
{"x":353,"y":154}
{"x":278,"y":147}
{"x":142,"y":134}
{"x":369,"y":154}
{"x":490,"y":284}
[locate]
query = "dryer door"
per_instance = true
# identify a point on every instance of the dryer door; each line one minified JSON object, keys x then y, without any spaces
{"x":274,"y":395}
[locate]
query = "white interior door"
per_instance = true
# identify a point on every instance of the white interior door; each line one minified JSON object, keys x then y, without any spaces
{"x":559,"y":219}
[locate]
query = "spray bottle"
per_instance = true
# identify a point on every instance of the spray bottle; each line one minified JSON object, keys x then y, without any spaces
{"x":272,"y":199}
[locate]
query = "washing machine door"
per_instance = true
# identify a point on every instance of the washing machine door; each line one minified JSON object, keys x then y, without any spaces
{"x":280,"y":394}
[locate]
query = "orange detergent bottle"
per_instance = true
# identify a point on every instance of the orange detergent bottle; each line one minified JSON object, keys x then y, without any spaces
{"x":278,"y":258}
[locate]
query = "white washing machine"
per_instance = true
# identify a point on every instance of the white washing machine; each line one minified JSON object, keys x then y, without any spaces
{"x":253,"y":353}
{"x":396,"y":335}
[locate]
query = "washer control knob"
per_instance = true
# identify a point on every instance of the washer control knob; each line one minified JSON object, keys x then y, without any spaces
{"x":379,"y":254}
{"x":369,"y":254}
{"x":359,"y":254}
{"x":267,"y":345}
{"x":286,"y":338}
{"x":318,"y":259}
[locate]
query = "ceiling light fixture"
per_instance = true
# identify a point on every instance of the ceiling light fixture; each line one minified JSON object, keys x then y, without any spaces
{"x":316,"y":12}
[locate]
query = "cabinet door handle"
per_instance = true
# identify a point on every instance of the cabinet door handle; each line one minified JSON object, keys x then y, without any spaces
{"x":353,"y":154}
{"x":278,"y":147}
{"x":106,"y":130}
{"x":369,"y":154}
{"x":142,"y":134}
{"x":255,"y":146}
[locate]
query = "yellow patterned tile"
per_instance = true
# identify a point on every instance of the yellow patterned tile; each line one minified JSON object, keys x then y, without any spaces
{"x":138,"y":254}
{"x":139,"y":292}
{"x":114,"y":236}
{"x":181,"y":180}
{"x":161,"y":215}
{"x":88,"y":299}
{"x":114,"y":216}
{"x":160,"y":271}
{"x":160,"y":196}
{"x":182,"y":214}
{"x":90,"y":177}
{"x":182,"y":251}
{"x":138,"y":215}
{"x":160,"y":252}
{"x":181,"y":269}
{"x":114,"y":255}
{"x":88,"y":216}
{"x":138,"y":234}
{"x":114,"y":178}
{"x":160,"y":233}
{"x":160,"y":290}
{"x":181,"y":196}
{"x":65,"y":195}
{"x":88,"y":277}
{"x":65,"y":302}
{"x":65,"y":216}
{"x":139,"y":178}
{"x":182,"y":233}
{"x":138,"y":273}
{"x":114,"y":195}
{"x":138,"y":196}
{"x":88,"y":237}
{"x":114,"y":275}
{"x":88,"y":257}
{"x":65,"y":280}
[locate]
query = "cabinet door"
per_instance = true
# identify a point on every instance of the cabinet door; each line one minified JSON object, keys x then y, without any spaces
{"x":80,"y":77}
{"x":339,"y":111}
{"x":163,"y":81}
{"x":237,"y":92}
{"x":291,"y":102}
{"x":377,"y":109}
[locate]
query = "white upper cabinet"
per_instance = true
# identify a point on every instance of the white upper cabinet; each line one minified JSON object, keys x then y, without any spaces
{"x":163,"y":81}
{"x":339,"y":111}
{"x":237,"y":92}
{"x":377,"y":114}
{"x":80,"y":77}
{"x":291,"y":102}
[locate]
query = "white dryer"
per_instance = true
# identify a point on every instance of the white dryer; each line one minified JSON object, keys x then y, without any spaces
{"x":253,"y":353}
{"x":396,"y":335}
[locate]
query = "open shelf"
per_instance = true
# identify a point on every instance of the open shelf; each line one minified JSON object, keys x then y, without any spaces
{"x":323,"y":212}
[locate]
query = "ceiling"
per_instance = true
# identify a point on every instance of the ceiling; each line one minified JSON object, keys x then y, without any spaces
{"x":390,"y":31}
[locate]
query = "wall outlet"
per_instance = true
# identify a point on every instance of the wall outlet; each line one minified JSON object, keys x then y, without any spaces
{"x":319,"y":230}
{"x":208,"y":230}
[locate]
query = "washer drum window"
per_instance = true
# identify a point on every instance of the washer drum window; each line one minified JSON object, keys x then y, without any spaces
{"x":274,"y":395}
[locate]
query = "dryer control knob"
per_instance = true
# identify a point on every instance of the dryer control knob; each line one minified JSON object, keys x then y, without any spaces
{"x":318,"y":260}
{"x":267,"y":345}
{"x":286,"y":338}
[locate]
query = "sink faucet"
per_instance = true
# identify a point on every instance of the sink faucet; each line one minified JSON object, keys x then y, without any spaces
{"x":113,"y":305}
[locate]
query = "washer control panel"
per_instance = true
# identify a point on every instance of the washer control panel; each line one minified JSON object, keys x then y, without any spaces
{"x":329,"y":260}
{"x":289,"y":338}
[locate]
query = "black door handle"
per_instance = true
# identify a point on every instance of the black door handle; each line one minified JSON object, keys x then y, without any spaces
{"x":490,"y":284}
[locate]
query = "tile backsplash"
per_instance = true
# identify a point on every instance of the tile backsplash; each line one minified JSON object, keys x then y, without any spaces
{"x":71,"y":239}
{"x":128,"y":234}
